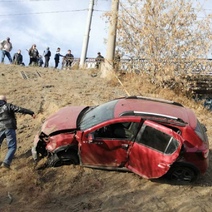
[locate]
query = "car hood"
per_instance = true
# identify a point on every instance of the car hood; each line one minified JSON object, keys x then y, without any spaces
{"x":63,"y":119}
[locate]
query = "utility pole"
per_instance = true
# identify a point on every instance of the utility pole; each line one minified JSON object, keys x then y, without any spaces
{"x":87,"y":34}
{"x":111,"y":43}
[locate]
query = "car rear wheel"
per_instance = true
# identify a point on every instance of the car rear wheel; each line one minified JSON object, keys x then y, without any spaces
{"x":182,"y":174}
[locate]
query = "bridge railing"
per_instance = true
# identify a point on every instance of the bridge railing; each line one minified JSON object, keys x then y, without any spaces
{"x":144,"y":65}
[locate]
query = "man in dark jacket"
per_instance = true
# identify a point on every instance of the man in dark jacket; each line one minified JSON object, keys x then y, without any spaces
{"x":8,"y":126}
{"x":68,"y":59}
{"x":18,"y":58}
{"x":99,"y":59}
{"x":47,"y":55}
{"x":57,"y":57}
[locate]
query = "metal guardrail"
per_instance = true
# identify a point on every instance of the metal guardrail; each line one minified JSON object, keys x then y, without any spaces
{"x":145,"y":65}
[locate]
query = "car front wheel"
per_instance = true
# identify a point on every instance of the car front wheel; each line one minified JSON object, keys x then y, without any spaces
{"x":63,"y":158}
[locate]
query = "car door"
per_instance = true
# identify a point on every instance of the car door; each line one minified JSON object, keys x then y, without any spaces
{"x":156,"y":147}
{"x":105,"y":150}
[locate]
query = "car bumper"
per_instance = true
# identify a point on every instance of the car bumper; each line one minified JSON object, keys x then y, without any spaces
{"x":34,"y":153}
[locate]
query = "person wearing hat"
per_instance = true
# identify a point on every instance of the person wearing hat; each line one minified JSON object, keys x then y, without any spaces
{"x":8,"y":126}
{"x":99,"y":59}
{"x":47,"y":55}
{"x":6,"y":47}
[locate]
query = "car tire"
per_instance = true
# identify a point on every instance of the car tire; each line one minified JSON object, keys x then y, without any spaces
{"x":63,"y":158}
{"x":69,"y":157}
{"x":53,"y":161}
{"x":182,"y":174}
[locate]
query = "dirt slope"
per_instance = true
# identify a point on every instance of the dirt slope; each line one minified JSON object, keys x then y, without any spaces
{"x":75,"y":188}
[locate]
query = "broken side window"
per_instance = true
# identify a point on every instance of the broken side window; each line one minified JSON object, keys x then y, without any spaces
{"x":157,"y":140}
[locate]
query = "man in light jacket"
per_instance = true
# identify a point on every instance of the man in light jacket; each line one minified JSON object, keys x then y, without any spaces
{"x":6,"y":47}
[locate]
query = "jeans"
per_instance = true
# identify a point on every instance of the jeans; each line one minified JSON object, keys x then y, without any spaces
{"x":7,"y":54}
{"x":10,"y":136}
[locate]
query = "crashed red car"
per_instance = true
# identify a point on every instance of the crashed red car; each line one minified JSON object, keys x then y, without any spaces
{"x":150,"y":137}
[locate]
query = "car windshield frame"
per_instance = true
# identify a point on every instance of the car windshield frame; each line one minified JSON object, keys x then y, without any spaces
{"x":97,"y":115}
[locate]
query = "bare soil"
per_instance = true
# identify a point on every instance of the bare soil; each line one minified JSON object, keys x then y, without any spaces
{"x":76,"y":188}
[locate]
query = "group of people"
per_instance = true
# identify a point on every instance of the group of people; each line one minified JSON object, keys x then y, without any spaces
{"x":37,"y":59}
{"x":34,"y":57}
{"x":67,"y":59}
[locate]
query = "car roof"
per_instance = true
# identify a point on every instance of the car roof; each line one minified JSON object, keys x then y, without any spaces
{"x":157,"y":107}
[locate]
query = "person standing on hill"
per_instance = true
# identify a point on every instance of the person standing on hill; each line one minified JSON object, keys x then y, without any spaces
{"x":99,"y":59}
{"x":33,"y":55}
{"x":47,"y":55}
{"x":40,"y":60}
{"x":18,"y":58}
{"x":57,"y":57}
{"x":68,"y":59}
{"x":6,"y":47}
{"x":8,"y":126}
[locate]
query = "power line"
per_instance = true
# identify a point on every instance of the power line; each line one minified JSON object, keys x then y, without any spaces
{"x":51,"y":12}
{"x":34,"y":0}
{"x":37,"y":13}
{"x":26,"y":0}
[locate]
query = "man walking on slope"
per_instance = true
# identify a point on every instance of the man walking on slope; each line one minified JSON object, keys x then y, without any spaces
{"x":8,"y":126}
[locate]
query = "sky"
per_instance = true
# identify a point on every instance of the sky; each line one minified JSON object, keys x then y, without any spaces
{"x":57,"y":23}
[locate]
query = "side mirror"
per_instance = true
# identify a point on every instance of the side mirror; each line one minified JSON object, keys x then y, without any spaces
{"x":90,"y":138}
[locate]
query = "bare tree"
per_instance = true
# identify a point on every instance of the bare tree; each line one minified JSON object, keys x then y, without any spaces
{"x":167,"y":33}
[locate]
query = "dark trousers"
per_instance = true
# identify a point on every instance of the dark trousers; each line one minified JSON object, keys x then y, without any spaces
{"x":46,"y":64}
{"x":56,"y":63}
{"x":33,"y":61}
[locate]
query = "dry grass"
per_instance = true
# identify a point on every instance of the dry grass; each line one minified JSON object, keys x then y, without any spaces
{"x":75,"y":188}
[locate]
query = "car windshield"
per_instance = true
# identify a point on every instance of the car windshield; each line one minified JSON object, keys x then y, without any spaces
{"x":97,"y":115}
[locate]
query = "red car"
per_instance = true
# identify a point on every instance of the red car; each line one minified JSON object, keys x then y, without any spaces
{"x":150,"y":137}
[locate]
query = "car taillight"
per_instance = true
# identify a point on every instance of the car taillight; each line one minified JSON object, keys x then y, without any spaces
{"x":203,"y":154}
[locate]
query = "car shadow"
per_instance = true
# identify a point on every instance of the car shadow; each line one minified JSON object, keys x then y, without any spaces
{"x":203,"y":181}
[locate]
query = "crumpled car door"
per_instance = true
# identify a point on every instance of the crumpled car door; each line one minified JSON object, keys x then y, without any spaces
{"x":103,"y":152}
{"x":156,"y":147}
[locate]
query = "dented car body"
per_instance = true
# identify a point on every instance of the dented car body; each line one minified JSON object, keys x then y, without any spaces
{"x":150,"y":137}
